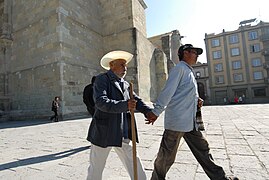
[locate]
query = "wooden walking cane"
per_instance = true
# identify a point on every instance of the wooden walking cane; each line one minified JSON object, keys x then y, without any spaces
{"x":133,"y":134}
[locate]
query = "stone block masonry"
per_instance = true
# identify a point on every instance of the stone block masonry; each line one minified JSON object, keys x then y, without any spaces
{"x":56,"y":49}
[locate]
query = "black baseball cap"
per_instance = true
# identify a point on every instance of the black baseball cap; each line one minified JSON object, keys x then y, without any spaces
{"x":187,"y":47}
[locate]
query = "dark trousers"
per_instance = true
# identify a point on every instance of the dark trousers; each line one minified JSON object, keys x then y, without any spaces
{"x":56,"y":117}
{"x":199,"y":147}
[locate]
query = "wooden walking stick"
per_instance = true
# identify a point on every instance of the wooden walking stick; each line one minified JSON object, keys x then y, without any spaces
{"x":133,"y":134}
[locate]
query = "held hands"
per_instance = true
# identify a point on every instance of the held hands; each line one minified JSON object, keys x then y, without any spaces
{"x":151,"y":118}
{"x":131,"y":104}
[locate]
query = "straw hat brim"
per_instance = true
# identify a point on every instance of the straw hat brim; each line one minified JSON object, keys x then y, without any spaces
{"x":113,"y":55}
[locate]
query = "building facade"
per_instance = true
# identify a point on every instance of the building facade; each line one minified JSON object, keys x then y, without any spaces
{"x":238,"y":64}
{"x":167,"y":45}
{"x":202,"y":78}
{"x":53,"y":48}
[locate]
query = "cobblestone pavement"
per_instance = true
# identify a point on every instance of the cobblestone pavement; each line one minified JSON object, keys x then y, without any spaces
{"x":238,"y":136}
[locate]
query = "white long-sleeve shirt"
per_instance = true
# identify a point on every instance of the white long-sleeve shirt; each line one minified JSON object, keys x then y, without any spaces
{"x":179,"y":99}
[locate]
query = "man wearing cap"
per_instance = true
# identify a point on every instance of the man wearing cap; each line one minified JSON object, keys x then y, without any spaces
{"x":179,"y":98}
{"x":111,"y":126}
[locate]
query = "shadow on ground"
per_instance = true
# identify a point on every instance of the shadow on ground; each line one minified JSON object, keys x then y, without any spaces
{"x":24,"y":123}
{"x":40,"y":159}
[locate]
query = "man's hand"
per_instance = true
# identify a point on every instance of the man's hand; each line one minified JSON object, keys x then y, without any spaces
{"x":200,"y":102}
{"x":131,"y":104}
{"x":151,"y":118}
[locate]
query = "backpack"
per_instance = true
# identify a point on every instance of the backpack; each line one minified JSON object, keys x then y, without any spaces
{"x":53,"y":106}
{"x":88,"y":98}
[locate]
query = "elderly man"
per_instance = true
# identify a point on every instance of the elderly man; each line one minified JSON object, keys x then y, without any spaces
{"x":111,"y":126}
{"x":179,"y":99}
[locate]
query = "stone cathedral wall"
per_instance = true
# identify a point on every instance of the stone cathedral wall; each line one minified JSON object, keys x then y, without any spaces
{"x":56,"y":49}
{"x":55,"y":52}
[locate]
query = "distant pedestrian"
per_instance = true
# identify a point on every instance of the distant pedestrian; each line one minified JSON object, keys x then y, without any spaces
{"x":55,"y":108}
{"x":88,"y":97}
{"x":243,"y":98}
{"x":236,"y":100}
{"x":225,"y":100}
{"x":240,"y":100}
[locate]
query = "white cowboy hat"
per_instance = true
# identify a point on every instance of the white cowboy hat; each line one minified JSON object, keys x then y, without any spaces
{"x":113,"y":55}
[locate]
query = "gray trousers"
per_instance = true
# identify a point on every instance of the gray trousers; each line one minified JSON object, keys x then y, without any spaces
{"x":197,"y":144}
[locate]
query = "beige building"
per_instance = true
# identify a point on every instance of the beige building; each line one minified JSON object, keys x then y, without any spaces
{"x":238,"y":63}
{"x":52,"y":48}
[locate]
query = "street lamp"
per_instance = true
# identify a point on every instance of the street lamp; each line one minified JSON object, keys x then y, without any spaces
{"x":198,"y":75}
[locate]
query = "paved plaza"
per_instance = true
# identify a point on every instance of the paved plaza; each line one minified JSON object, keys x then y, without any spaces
{"x":37,"y":150}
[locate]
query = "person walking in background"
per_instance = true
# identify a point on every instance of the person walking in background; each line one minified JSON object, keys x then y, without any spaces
{"x":240,"y":100}
{"x":236,"y":99}
{"x":179,"y":98}
{"x":88,"y":97}
{"x":111,"y":122}
{"x":55,"y":108}
{"x":225,"y":100}
{"x":243,"y":98}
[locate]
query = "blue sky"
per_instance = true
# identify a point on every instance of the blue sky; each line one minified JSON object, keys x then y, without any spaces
{"x":194,"y":18}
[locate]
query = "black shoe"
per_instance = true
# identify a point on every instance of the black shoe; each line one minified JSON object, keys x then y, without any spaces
{"x":232,"y":178}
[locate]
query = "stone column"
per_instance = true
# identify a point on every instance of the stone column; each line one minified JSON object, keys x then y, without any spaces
{"x":161,"y":69}
{"x":4,"y":98}
{"x":175,"y":43}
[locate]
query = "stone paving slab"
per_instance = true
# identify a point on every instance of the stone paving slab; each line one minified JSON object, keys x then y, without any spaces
{"x":238,"y":136}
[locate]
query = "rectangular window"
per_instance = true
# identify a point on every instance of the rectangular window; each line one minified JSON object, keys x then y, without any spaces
{"x":256,"y":62}
{"x":233,"y":39}
{"x":238,"y":77}
{"x":258,"y":75}
{"x":235,"y":52}
{"x":236,"y":64}
{"x":255,"y":48}
{"x":259,"y":92}
{"x":215,"y":42}
{"x":252,"y":35}
{"x":216,"y":54}
{"x":218,"y":67}
{"x":219,"y":79}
